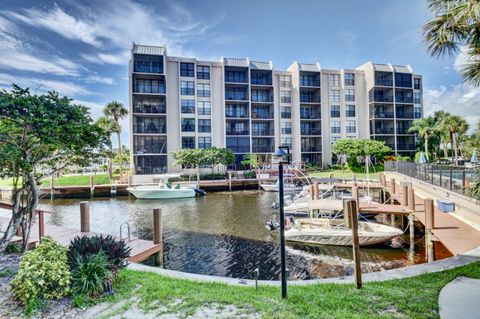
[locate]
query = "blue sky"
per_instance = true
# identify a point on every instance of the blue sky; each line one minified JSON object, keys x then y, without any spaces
{"x":82,"y":50}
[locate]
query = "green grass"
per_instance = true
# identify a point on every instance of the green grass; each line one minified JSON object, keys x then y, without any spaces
{"x":346,"y":174}
{"x":74,"y":180}
{"x":415,"y":297}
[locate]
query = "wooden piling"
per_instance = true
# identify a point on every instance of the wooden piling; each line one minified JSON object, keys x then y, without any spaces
{"x":52,"y":187}
{"x":92,"y":185}
{"x":392,"y":189}
{"x":429,"y":225}
{"x":157,"y":235}
{"x":311,"y":190}
{"x":84,"y":217}
{"x":405,"y":195}
{"x":355,"y":195}
{"x":346,"y":215}
{"x":230,"y":181}
{"x":351,"y":211}
{"x":41,"y":224}
{"x":315,"y":190}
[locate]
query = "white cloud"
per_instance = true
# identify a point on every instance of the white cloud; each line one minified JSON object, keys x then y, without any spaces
{"x":17,"y":54}
{"x":101,"y":58}
{"x":459,"y":99}
{"x":42,"y":85}
{"x":99,"y":79}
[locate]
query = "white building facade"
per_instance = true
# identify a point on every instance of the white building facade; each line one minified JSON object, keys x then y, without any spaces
{"x":249,"y":107}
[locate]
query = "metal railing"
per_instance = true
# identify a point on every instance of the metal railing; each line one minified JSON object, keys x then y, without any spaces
{"x":459,"y":179}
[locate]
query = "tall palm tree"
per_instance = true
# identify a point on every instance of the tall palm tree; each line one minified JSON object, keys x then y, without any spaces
{"x":444,"y":134}
{"x":457,"y":126}
{"x":107,"y":125}
{"x":456,"y":24}
{"x":116,"y":111}
{"x":425,"y":127}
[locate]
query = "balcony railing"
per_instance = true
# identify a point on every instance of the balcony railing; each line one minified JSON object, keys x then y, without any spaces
{"x":310,"y":115}
{"x":148,"y":67}
{"x":383,"y":115}
{"x":262,"y":115}
{"x":239,"y":149}
{"x":262,"y":98}
{"x":383,"y":98}
{"x":159,"y":89}
{"x":150,"y":129}
{"x":286,"y":115}
{"x":406,"y":146}
{"x":262,"y":148}
{"x":311,"y":131}
{"x":307,"y":99}
{"x":309,"y":82}
{"x":311,"y":149}
{"x":384,"y":82}
{"x":403,"y":130}
{"x":262,"y":132}
{"x":404,"y":115}
{"x":334,"y":113}
{"x":230,"y":114}
{"x":384,"y":130}
{"x":407,"y":99}
{"x":150,"y":108}
{"x":237,"y":132}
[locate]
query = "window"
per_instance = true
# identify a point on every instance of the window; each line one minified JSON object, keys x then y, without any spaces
{"x":150,"y":144}
{"x":188,"y":142}
{"x":351,"y":126}
{"x":286,"y":128}
{"x":204,"y":142}
{"x":334,"y":96}
{"x":286,"y":112}
{"x":287,"y":141}
{"x":403,"y":80}
{"x":188,"y":106}
{"x":204,"y":108}
{"x":416,"y":98}
{"x":285,"y":96}
{"x":416,"y":84}
{"x":154,"y":124}
{"x":204,"y":126}
{"x":417,"y":112}
{"x":186,"y":69}
{"x":259,"y":95}
{"x":236,"y":110}
{"x":335,"y":111}
{"x":149,"y":86}
{"x":203,"y":72}
{"x":285,"y":81}
{"x":236,"y":93}
{"x":188,"y":125}
{"x":203,"y":90}
{"x":349,"y":95}
{"x":335,"y":128}
{"x":236,"y":75}
{"x":238,"y":144}
{"x":187,"y":88}
{"x":333,"y":139}
{"x":334,"y":79}
{"x":350,"y":110}
{"x":349,"y":79}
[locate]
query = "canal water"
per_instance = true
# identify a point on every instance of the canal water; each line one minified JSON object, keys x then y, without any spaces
{"x":224,"y":234}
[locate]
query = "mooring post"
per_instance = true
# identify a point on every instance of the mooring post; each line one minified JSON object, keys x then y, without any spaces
{"x":91,"y":185}
{"x":41,"y":224}
{"x":230,"y":181}
{"x":84,"y":217}
{"x":311,"y":190}
{"x":355,"y":195}
{"x":52,"y":187}
{"x":315,"y":190}
{"x":392,"y":189}
{"x":157,"y":235}
{"x":130,"y":180}
{"x":429,"y":225}
{"x":411,"y":222}
{"x":405,"y":195}
{"x":350,"y":207}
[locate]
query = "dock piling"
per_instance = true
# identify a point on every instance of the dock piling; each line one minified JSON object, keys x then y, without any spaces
{"x":230,"y":181}
{"x":91,"y":185}
{"x":350,"y":207}
{"x":52,"y":187}
{"x":429,"y":225}
{"x":84,"y":217}
{"x":405,"y":195}
{"x":315,"y":190}
{"x":392,"y":189}
{"x":41,"y":224}
{"x":157,"y":235}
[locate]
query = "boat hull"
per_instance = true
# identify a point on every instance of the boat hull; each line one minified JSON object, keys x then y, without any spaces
{"x":145,"y":192}
{"x":274,"y":188}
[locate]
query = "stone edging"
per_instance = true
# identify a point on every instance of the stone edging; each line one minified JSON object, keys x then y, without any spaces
{"x":399,"y":273}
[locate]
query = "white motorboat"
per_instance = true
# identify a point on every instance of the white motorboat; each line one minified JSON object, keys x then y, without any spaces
{"x":324,"y":231}
{"x":287,"y":187}
{"x":164,"y":190}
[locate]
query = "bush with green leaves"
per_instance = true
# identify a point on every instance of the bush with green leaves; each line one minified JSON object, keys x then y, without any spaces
{"x":249,"y":174}
{"x":92,"y":275}
{"x":43,"y":274}
{"x":81,"y":248}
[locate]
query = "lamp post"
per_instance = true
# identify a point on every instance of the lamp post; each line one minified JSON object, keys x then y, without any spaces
{"x":283,"y":158}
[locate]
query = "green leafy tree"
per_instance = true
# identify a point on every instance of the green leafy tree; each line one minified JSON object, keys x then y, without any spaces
{"x":191,"y":158}
{"x":250,"y":160}
{"x":108,"y":126}
{"x":425,"y":128}
{"x":116,"y":111}
{"x":457,"y":126}
{"x":456,"y":23}
{"x":354,"y":148}
{"x":444,"y":135}
{"x":39,"y":136}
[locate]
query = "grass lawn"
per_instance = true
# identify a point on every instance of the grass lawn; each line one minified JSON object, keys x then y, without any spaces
{"x":346,"y":174}
{"x":415,"y":297}
{"x":74,"y":180}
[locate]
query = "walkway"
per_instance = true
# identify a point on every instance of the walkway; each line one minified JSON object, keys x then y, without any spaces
{"x":459,"y":299}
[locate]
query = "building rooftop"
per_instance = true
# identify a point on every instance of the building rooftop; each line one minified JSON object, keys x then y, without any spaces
{"x":259,"y":65}
{"x":236,"y":62}
{"x":310,"y":67}
{"x":148,"y":49}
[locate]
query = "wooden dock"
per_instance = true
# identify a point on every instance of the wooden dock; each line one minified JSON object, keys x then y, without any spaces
{"x":140,"y":249}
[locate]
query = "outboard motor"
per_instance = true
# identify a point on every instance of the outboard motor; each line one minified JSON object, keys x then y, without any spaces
{"x":272,"y":225}
{"x":199,"y":192}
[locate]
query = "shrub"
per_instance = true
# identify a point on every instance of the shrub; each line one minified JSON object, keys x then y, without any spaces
{"x":81,"y":248}
{"x":43,"y":274}
{"x":213,"y":176}
{"x":91,"y":276}
{"x":250,"y":174}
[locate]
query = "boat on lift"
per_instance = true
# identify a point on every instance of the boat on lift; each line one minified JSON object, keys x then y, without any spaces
{"x":165,"y":190}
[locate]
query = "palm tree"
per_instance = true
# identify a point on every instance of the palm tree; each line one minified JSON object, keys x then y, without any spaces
{"x":455,"y":24}
{"x":425,"y":127}
{"x":444,"y":135}
{"x":457,"y":126}
{"x":107,"y":125}
{"x":116,"y":111}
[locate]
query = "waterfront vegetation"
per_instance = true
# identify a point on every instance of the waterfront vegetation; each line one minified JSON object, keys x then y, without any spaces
{"x":415,"y":297}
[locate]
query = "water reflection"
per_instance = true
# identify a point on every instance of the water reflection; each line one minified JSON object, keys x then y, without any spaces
{"x":221,"y":234}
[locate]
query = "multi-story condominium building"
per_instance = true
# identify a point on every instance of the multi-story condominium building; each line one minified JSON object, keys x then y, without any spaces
{"x":249,"y":107}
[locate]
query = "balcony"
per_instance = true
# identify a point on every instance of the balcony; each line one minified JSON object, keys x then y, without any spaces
{"x":149,"y":89}
{"x":146,"y":66}
{"x":383,"y":115}
{"x":403,"y":130}
{"x":229,"y":113}
{"x":262,"y":148}
{"x":311,"y":149}
{"x":150,"y":108}
{"x":237,"y":132}
{"x":382,"y":98}
{"x":404,"y":115}
{"x":334,"y":113}
{"x":406,"y":146}
{"x":311,"y":131}
{"x":262,"y":115}
{"x":236,"y":75}
{"x":310,"y":115}
{"x":262,"y":132}
{"x":385,"y":130}
{"x":262,"y":98}
{"x":286,"y":115}
{"x":260,"y":77}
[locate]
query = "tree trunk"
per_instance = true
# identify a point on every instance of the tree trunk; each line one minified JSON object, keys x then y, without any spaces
{"x":198,"y":175}
{"x":455,"y":147}
{"x":120,"y":155}
{"x":426,"y":147}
